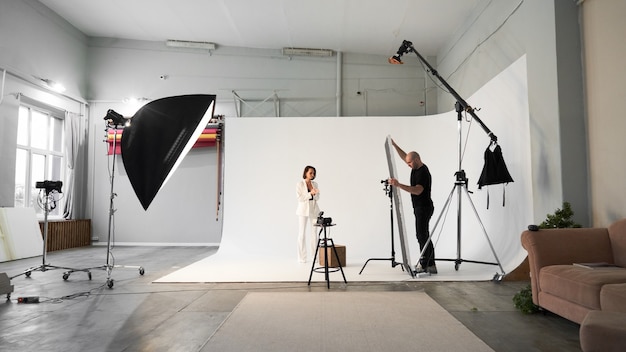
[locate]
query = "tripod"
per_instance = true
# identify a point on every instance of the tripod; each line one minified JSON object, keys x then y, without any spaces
{"x":460,"y":186}
{"x":110,"y":261}
{"x":392,"y":259}
{"x":48,"y":204}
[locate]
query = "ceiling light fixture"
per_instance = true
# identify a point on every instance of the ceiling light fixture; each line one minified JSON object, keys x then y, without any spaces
{"x":190,"y":44}
{"x":55,"y":86}
{"x":307,"y":52}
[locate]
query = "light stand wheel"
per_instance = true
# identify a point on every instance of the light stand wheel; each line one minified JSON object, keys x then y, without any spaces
{"x":66,"y":275}
{"x":110,"y":283}
{"x":497,"y":278}
{"x":141,"y":271}
{"x":27,"y":274}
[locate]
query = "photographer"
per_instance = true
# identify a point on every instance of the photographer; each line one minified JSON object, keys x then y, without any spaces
{"x":307,"y":193}
{"x":423,"y":208}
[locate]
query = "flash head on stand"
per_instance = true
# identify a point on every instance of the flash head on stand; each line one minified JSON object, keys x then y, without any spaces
{"x":115,"y":119}
{"x":49,"y":186}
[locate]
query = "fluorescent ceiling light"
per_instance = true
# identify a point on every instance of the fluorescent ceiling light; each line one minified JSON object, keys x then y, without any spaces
{"x":307,"y":52}
{"x":190,"y":44}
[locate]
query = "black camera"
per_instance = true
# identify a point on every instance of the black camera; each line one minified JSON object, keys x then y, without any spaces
{"x":322,"y":221}
{"x":49,"y":186}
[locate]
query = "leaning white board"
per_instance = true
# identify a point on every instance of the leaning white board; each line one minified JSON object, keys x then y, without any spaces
{"x":397,"y":202}
{"x":20,"y":236}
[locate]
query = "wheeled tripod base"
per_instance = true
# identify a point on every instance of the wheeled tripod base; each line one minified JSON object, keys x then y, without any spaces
{"x":459,"y":186}
{"x":44,"y":265}
{"x":109,"y":262}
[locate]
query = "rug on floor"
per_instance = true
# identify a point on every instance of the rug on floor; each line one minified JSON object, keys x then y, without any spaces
{"x":342,"y":321}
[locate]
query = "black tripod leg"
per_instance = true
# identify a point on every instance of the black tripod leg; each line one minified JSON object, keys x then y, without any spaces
{"x":338,"y":260}
{"x":319,"y":241}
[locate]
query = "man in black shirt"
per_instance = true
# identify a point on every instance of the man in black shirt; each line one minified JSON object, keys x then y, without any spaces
{"x":423,"y":208}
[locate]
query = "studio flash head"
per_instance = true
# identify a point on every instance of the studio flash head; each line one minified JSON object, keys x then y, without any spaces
{"x":49,"y":186}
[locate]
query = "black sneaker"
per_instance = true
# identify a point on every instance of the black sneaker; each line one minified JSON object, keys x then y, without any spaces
{"x":432,"y":269}
{"x":419,"y":269}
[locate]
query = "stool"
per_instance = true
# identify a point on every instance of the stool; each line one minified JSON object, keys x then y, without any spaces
{"x":328,"y":246}
{"x":603,"y":331}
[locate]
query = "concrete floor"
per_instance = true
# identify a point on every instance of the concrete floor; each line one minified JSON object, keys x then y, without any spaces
{"x":79,"y":314}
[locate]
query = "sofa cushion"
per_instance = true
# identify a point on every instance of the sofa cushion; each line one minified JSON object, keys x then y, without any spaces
{"x":617,"y":235}
{"x":603,"y":332}
{"x":613,"y":298}
{"x":579,"y":285}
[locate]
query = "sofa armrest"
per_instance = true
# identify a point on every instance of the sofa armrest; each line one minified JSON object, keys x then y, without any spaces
{"x":564,"y":246}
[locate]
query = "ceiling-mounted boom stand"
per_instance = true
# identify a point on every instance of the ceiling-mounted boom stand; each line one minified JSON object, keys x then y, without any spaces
{"x":461,"y":180}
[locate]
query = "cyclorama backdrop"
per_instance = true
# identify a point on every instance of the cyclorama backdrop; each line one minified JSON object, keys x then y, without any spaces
{"x":265,"y":157}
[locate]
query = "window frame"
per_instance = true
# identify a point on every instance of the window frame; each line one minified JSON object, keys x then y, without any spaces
{"x":30,"y":192}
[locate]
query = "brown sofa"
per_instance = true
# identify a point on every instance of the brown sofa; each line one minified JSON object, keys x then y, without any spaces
{"x":569,"y":290}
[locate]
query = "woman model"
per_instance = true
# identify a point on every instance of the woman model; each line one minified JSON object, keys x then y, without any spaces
{"x":308,"y":210}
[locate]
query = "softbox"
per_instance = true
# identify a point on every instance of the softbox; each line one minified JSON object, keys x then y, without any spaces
{"x":158,"y":138}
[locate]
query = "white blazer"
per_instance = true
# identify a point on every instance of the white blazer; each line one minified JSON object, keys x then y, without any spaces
{"x":306,"y":205}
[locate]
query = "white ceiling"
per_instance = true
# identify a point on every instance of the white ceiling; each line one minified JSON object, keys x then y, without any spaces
{"x":359,"y":26}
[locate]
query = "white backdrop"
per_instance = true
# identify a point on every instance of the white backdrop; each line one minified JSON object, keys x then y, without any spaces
{"x":265,"y":157}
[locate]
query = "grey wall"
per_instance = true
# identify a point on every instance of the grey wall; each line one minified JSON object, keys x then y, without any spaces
{"x":34,"y":43}
{"x":547,"y":32}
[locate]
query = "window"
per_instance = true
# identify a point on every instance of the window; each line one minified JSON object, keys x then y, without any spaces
{"x":39,"y":157}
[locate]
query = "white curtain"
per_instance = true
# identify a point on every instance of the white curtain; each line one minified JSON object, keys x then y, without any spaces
{"x":72,"y":151}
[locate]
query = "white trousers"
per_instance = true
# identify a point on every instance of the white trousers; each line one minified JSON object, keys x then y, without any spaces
{"x":304,"y":223}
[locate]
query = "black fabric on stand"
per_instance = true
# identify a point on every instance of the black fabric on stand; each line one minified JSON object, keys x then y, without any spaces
{"x":157,"y":136}
{"x":494,"y":171}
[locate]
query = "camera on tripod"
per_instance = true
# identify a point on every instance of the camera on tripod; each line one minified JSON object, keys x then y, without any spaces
{"x":322,"y":221}
{"x":49,"y":186}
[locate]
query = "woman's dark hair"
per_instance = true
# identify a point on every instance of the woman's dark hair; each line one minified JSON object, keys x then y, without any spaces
{"x":306,"y":169}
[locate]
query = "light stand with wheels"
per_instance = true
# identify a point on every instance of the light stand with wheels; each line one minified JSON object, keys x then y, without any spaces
{"x":461,"y":181}
{"x":49,"y":189}
{"x":114,"y":120}
{"x":388,"y":191}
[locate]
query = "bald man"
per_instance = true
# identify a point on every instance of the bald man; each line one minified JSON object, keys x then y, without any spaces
{"x":422,"y":206}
